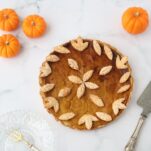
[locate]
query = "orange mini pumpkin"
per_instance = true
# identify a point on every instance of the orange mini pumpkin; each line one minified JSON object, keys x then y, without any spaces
{"x":9,"y":20}
{"x":9,"y":46}
{"x":34,"y":26}
{"x":135,"y":20}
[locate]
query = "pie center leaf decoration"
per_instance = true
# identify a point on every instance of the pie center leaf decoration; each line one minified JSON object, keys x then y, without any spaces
{"x":80,"y":90}
{"x":87,"y":75}
{"x":83,"y":83}
{"x":74,"y":79}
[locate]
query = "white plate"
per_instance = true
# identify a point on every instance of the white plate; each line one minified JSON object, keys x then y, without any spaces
{"x":34,"y":128}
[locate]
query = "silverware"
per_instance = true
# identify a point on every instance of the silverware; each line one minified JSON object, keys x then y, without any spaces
{"x":17,"y":136}
{"x":145,"y":102}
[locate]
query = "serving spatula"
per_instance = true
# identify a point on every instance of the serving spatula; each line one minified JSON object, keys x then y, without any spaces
{"x":145,"y":102}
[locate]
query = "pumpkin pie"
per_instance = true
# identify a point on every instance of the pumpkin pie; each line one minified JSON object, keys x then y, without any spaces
{"x":85,"y":83}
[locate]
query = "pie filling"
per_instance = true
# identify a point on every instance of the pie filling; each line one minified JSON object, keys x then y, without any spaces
{"x":85,"y":84}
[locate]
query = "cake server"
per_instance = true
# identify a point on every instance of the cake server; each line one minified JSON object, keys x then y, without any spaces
{"x":145,"y":102}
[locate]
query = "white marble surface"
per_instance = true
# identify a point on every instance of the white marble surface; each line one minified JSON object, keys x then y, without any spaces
{"x":67,"y":19}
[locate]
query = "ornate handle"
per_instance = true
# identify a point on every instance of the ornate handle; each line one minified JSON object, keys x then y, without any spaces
{"x":33,"y":148}
{"x":132,"y":142}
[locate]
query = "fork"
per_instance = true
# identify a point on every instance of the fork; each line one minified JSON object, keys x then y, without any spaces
{"x":17,"y":136}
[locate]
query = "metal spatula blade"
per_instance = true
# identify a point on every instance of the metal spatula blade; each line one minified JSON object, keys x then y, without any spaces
{"x":145,"y":102}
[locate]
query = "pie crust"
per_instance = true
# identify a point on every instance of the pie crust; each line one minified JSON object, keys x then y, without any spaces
{"x":85,"y":83}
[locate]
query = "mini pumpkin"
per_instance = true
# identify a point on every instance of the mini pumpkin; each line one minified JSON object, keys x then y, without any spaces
{"x":9,"y":46}
{"x":34,"y":26}
{"x":135,"y":20}
{"x":9,"y":20}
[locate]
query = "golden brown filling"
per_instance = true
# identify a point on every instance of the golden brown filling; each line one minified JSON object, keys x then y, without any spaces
{"x":105,"y":87}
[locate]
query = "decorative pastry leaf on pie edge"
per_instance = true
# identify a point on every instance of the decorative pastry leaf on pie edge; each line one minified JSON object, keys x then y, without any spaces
{"x":125,"y":77}
{"x":79,"y":44}
{"x":66,"y":116}
{"x":88,"y":120}
{"x":121,"y":63}
{"x":45,"y":70}
{"x":108,"y":52}
{"x":123,"y":88}
{"x":61,"y":49}
{"x":47,"y":87}
{"x":52,"y":58}
{"x":104,"y":116}
{"x":117,"y":105}
{"x":97,"y":47}
{"x":52,"y":102}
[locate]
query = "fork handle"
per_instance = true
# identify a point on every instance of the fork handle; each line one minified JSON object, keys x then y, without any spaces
{"x":132,"y":142}
{"x":33,"y":148}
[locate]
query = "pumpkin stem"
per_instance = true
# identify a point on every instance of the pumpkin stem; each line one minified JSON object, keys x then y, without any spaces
{"x":137,"y":14}
{"x":5,"y":16}
{"x":7,"y":43}
{"x":33,"y":23}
